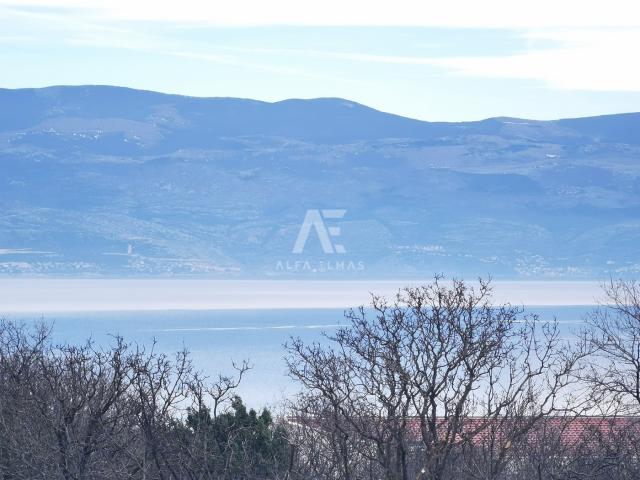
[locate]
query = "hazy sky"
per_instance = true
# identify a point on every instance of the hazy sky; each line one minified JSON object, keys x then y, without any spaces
{"x":436,"y":61}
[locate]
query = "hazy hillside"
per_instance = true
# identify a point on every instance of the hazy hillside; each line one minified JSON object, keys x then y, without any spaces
{"x":118,"y":182}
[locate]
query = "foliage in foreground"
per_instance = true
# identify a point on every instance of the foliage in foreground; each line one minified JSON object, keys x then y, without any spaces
{"x":81,"y":412}
{"x":437,"y":384}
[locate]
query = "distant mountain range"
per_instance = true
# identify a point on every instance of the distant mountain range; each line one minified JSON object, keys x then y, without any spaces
{"x":108,"y":181}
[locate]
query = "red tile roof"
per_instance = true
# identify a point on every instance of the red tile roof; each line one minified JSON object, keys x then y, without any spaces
{"x":569,"y":431}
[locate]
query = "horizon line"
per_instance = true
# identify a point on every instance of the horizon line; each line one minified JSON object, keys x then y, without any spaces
{"x":288,"y":99}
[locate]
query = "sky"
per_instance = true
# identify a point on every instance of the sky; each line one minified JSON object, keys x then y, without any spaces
{"x":453,"y":61}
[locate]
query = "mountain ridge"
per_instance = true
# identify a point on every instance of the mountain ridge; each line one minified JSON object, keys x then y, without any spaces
{"x":111,"y":181}
{"x":295,"y":99}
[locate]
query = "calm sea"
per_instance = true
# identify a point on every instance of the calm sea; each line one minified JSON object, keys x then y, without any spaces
{"x":217,"y":337}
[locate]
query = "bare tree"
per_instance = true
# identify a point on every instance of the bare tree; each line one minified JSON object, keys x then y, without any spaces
{"x":19,"y":434}
{"x":410,"y":382}
{"x":119,"y":412}
{"x":613,"y":371}
{"x":68,"y":404}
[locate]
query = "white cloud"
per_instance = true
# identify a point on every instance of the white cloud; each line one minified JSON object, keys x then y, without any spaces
{"x":454,"y":13}
{"x":572,"y":59}
{"x":594,"y":50}
{"x":598,"y":60}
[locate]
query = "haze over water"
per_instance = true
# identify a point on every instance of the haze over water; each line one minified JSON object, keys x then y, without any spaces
{"x":220,"y":321}
{"x":82,"y":295}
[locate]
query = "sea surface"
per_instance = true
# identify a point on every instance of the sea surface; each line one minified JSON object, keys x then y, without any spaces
{"x":215,"y":338}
